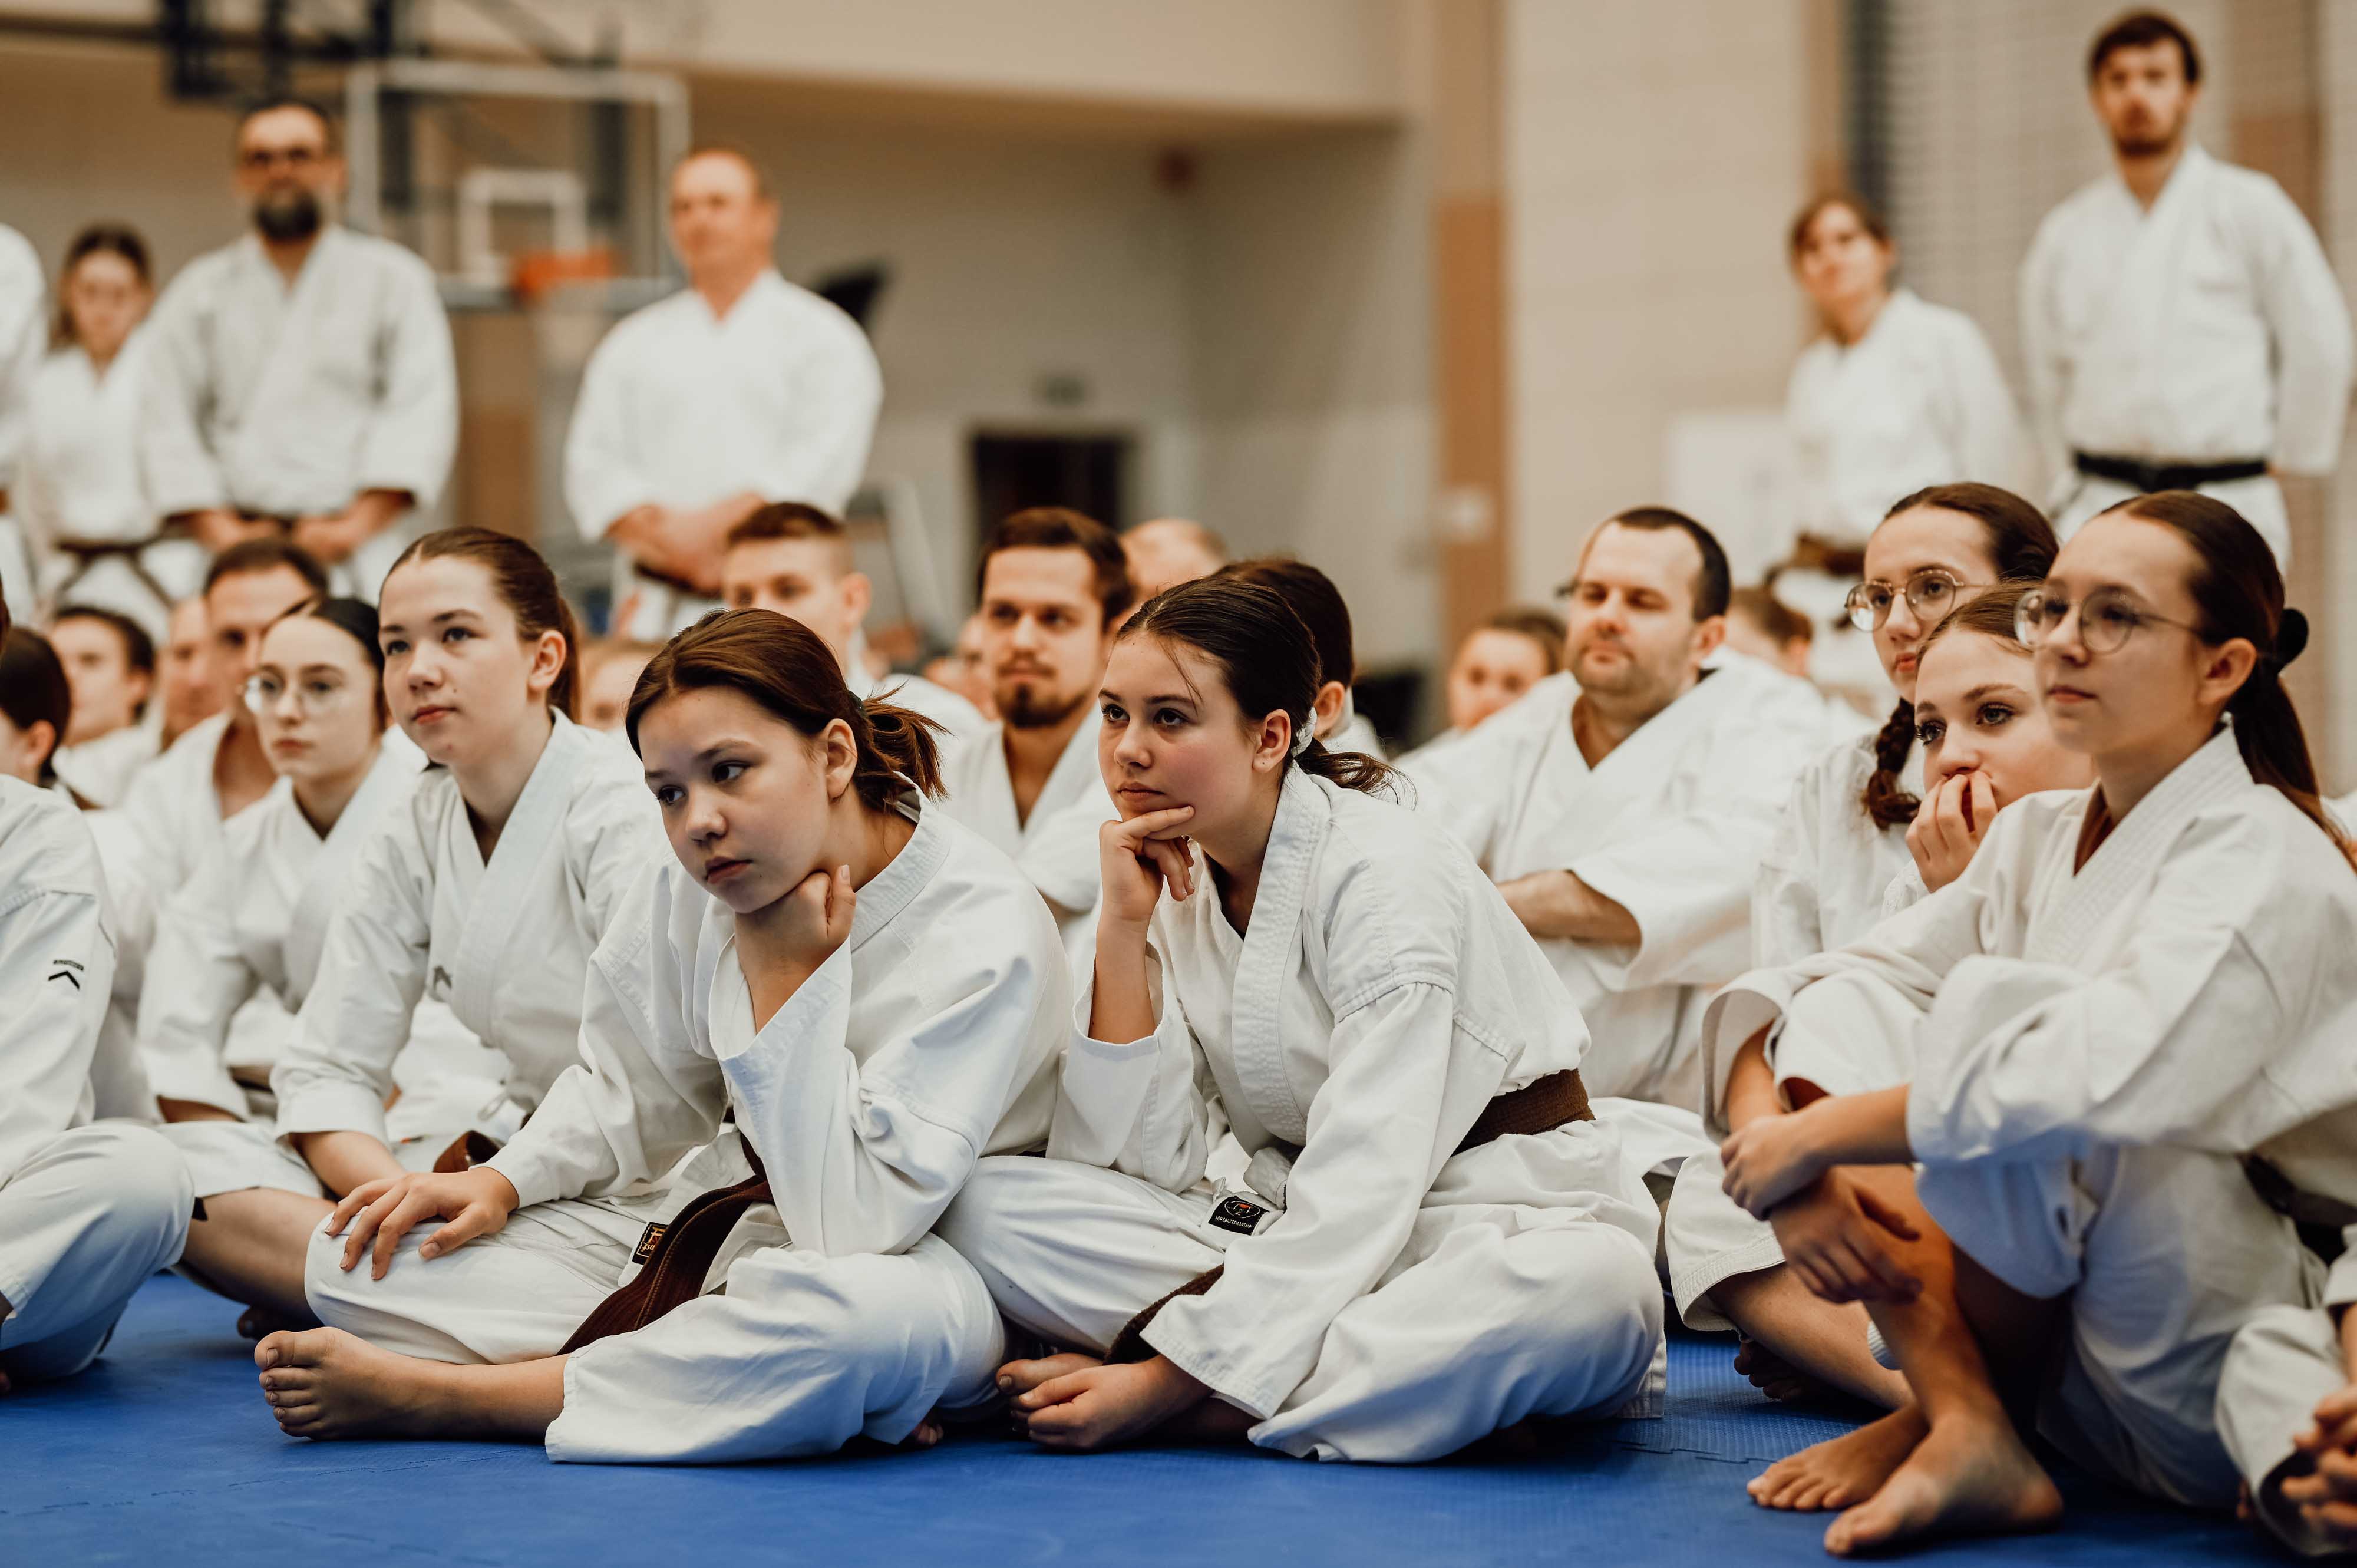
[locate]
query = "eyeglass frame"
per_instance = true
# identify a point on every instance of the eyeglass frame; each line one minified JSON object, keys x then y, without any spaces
{"x":257,"y":703}
{"x":2036,"y":599}
{"x":1904,"y":590}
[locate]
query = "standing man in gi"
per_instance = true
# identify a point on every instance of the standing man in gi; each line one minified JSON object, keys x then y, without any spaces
{"x":739,"y":390}
{"x":2182,"y":327}
{"x":23,"y":336}
{"x":301,"y":380}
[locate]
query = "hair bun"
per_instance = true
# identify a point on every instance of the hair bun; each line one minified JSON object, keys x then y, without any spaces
{"x":2291,"y":637}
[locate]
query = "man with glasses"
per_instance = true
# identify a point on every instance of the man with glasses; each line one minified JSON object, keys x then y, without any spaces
{"x":1624,"y":806}
{"x":302,"y":379}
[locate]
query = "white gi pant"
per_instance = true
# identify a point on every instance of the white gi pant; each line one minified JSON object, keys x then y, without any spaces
{"x":82,"y":1224}
{"x":1495,"y":1310}
{"x":2165,"y":1253}
{"x":2285,"y":1360}
{"x":789,"y":1352}
{"x":1708,"y":1239}
{"x":2260,"y":501}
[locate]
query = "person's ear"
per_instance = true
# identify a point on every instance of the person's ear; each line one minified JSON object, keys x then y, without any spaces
{"x":841,"y":760}
{"x":1327,"y":707}
{"x":858,"y":596}
{"x":142,"y":687}
{"x":2227,"y":668}
{"x":548,"y":655}
{"x":1709,"y":636}
{"x":42,"y":736}
{"x":1274,"y":742}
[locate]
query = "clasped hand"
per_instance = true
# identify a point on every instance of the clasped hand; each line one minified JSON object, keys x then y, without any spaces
{"x":474,"y":1203}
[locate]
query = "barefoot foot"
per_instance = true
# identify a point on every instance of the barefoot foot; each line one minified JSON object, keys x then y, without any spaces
{"x":1970,"y":1476}
{"x":328,"y":1384}
{"x":1843,"y":1470}
{"x":1022,"y":1377}
{"x":260,"y":1322}
{"x":1774,"y":1376}
{"x":928,"y":1433}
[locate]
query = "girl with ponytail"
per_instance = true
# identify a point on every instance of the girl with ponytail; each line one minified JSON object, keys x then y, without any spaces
{"x":1840,"y":846}
{"x":2114,"y":1049}
{"x":879,"y":996}
{"x":1284,"y":953}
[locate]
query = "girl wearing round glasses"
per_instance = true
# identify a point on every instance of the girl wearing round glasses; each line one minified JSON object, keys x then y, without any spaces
{"x":2127,"y":989}
{"x":1840,"y":845}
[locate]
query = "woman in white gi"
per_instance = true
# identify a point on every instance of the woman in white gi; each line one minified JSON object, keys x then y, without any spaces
{"x":878,"y":992}
{"x":2125,"y":990}
{"x":1434,"y":1238}
{"x":1842,"y":840}
{"x":87,"y":518}
{"x":89,"y":1208}
{"x":484,"y":885}
{"x":1898,"y":393}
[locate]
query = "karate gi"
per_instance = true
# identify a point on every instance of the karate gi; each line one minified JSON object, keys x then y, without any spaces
{"x":1672,"y":826}
{"x":1823,"y":884}
{"x":78,"y":480}
{"x":2209,"y":329}
{"x":101,"y":770}
{"x":24,"y":289}
{"x":1387,"y":1298}
{"x":504,"y":945}
{"x":291,"y":400}
{"x":247,"y":929}
{"x":929,"y":1038}
{"x":89,"y":1208}
{"x":1055,"y":845}
{"x":2089,"y":1055}
{"x":681,"y":409}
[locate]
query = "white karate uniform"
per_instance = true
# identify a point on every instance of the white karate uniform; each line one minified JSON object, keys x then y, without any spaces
{"x":2209,"y":329}
{"x":101,"y":770}
{"x":2089,"y":1053}
{"x":927,"y":1039}
{"x":1672,"y":826}
{"x":24,"y":290}
{"x":1822,"y":884}
{"x":1055,"y":845}
{"x":247,"y":929}
{"x":89,"y":1208}
{"x":78,"y":478}
{"x":291,"y":401}
{"x":1389,"y":1297}
{"x":962,"y":722}
{"x":680,"y":409}
{"x":504,"y":945}
{"x":1918,"y":401}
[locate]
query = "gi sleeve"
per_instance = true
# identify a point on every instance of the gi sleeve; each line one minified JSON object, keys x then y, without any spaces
{"x":22,"y":290}
{"x":413,"y":430}
{"x":604,"y":478}
{"x":837,"y":391}
{"x":176,"y":401}
{"x":1148,"y":1107}
{"x":2045,"y":364}
{"x":199,"y":979}
{"x":57,"y":961}
{"x":1786,"y":923}
{"x":1985,"y":428}
{"x":2309,"y":321}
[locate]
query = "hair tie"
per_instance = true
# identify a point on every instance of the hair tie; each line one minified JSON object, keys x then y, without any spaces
{"x":1304,"y":734}
{"x":2291,"y":637}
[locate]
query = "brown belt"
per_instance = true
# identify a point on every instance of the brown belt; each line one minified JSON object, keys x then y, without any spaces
{"x":674,"y":1271}
{"x":1542,"y":1106}
{"x":1815,"y":552}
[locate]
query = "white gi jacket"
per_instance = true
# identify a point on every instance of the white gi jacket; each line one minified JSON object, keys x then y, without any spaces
{"x":2191,"y":986}
{"x":925,"y":1041}
{"x":101,"y":770}
{"x":504,"y":945}
{"x":1057,"y":845}
{"x":2208,"y":329}
{"x":1672,"y":826}
{"x":680,"y":409}
{"x":175,"y":811}
{"x":1383,"y":997}
{"x":293,"y":400}
{"x":1828,"y":869}
{"x":1918,"y":401}
{"x":24,"y":287}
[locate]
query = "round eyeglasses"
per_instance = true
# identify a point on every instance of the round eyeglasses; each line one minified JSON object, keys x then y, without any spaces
{"x":263,"y":694}
{"x":1930,"y":593}
{"x":2107,"y":619}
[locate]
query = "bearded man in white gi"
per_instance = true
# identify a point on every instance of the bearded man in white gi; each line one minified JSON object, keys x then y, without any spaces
{"x":2180,"y":326}
{"x":740,"y":389}
{"x":301,"y":380}
{"x":1624,"y":806}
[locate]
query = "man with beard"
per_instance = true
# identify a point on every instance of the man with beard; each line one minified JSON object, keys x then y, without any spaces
{"x":1622,"y":808}
{"x":1054,"y":587}
{"x":2180,"y":326}
{"x":302,"y":379}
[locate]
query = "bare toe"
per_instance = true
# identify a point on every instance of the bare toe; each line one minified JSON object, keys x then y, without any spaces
{"x":1022,"y":1377}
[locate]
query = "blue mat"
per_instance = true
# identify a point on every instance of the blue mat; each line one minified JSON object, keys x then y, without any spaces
{"x":165,"y":1453}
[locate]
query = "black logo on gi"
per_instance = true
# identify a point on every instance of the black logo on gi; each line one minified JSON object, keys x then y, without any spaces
{"x":65,"y":969}
{"x":1237,"y":1214}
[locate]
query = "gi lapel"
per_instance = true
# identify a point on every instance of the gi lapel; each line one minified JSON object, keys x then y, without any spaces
{"x":1074,"y":773}
{"x":395,"y":773}
{"x":1271,"y":953}
{"x":514,"y":876}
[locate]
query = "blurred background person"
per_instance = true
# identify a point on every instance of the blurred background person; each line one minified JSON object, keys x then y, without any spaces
{"x":95,"y":540}
{"x":961,"y":669}
{"x":740,"y":389}
{"x":1510,"y":651}
{"x":1322,"y":608}
{"x":1765,"y":628}
{"x":110,"y":665}
{"x":301,"y":380}
{"x":22,"y":290}
{"x":189,"y":695}
{"x":35,"y":706}
{"x":609,"y":673}
{"x":1169,"y":550}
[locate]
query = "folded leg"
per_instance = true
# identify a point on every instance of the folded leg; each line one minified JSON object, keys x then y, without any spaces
{"x":82,"y":1224}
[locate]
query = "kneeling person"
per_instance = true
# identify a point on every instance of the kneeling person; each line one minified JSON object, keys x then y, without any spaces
{"x":880,"y":995}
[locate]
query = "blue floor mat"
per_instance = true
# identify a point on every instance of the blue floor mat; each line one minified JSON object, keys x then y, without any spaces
{"x":164,"y":1452}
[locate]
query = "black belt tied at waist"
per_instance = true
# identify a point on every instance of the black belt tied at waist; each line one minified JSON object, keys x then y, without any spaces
{"x":2149,"y":475}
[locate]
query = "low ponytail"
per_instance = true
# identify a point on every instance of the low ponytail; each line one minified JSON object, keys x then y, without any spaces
{"x":896,"y":749}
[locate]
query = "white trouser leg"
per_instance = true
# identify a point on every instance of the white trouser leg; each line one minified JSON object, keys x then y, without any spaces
{"x":82,"y":1224}
{"x":2283,"y":1362}
{"x":797,"y":1354}
{"x":232,"y":1157}
{"x":1710,"y":1240}
{"x":2165,"y":1252}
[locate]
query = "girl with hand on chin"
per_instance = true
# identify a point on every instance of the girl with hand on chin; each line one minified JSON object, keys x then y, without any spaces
{"x":484,"y":884}
{"x":1331,"y":977}
{"x":878,"y":993}
{"x":2127,"y":990}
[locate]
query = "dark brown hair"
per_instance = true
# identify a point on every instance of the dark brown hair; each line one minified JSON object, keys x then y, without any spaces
{"x":1319,"y":603}
{"x":784,"y":519}
{"x":1060,"y":527}
{"x":1869,"y":218}
{"x":356,"y":618}
{"x":1264,"y":652}
{"x":2238,"y":592}
{"x":1714,"y":583}
{"x":1779,"y":620}
{"x":34,"y":689}
{"x":524,"y":583}
{"x":1543,"y":627}
{"x":99,"y":239}
{"x":1990,"y":613}
{"x":138,"y":647}
{"x":2021,"y":542}
{"x":782,"y":664}
{"x":268,"y":552}
{"x":2142,"y":29}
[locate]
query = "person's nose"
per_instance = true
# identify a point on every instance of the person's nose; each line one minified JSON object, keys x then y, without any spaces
{"x":705,"y":820}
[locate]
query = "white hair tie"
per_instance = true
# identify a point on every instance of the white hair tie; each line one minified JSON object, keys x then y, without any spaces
{"x":1304,"y":733}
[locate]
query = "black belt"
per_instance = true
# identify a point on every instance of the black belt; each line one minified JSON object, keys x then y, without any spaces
{"x":89,"y":552}
{"x":2144,"y":475}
